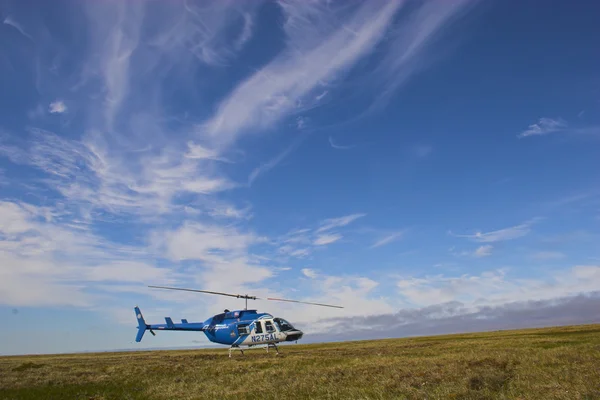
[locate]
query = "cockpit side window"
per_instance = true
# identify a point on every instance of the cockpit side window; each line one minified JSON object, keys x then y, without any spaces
{"x":258,"y":327}
{"x":283,"y":324}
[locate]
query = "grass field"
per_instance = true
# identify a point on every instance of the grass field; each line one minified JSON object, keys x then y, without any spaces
{"x":551,"y":363}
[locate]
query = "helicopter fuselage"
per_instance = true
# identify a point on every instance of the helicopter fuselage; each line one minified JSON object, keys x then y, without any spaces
{"x":234,"y":328}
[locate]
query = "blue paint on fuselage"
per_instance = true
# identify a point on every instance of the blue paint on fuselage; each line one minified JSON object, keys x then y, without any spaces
{"x":223,"y":328}
{"x":220,"y":328}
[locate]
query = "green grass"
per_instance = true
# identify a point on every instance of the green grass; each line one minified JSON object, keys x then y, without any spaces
{"x":550,"y":363}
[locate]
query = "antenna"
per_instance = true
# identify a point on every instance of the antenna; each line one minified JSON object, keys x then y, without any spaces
{"x":244,"y":296}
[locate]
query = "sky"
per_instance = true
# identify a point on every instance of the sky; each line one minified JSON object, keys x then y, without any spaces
{"x":430,"y":166}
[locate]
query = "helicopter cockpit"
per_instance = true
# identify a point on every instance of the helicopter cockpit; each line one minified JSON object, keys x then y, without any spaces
{"x":283,"y":325}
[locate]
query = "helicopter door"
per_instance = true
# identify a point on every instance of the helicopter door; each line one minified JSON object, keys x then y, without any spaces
{"x":269,"y":327}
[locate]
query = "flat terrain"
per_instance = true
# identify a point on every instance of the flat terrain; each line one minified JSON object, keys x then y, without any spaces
{"x":554,"y":363}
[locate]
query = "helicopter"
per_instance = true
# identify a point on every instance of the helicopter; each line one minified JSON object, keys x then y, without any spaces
{"x":233,"y":328}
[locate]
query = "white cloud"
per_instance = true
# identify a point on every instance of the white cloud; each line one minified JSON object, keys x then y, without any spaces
{"x":198,"y":151}
{"x":300,"y":253}
{"x":544,"y":127}
{"x":354,"y":293}
{"x":246,"y":31}
{"x":301,"y":123}
{"x":318,"y":49}
{"x":89,"y":173}
{"x":11,"y":22}
{"x":337,"y":146}
{"x":484,"y":251}
{"x":47,"y":260}
{"x":294,"y":252}
{"x":195,"y":241}
{"x":332,"y":223}
{"x":258,"y":171}
{"x":322,"y":240}
{"x":388,"y":239}
{"x":309,"y":273}
{"x":510,"y":233}
{"x":57,"y":107}
{"x":405,"y":51}
{"x":495,"y":287}
{"x":204,"y":30}
{"x":229,"y":211}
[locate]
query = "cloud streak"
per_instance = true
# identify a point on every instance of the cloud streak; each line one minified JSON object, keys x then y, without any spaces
{"x":544,"y":126}
{"x":339,"y":147}
{"x":11,"y":22}
{"x":293,"y":76}
{"x":339,"y":222}
{"x":511,"y":233}
{"x":388,"y":239}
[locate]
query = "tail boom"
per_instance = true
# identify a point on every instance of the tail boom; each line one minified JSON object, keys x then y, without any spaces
{"x":169,"y":326}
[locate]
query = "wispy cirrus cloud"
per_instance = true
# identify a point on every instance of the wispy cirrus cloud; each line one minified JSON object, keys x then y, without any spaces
{"x":300,"y":243}
{"x":85,"y":171}
{"x":338,"y":222}
{"x":339,"y":146}
{"x":544,"y":126}
{"x":294,"y":80}
{"x":388,"y":239}
{"x":294,"y":77}
{"x":10,"y":21}
{"x":264,"y":168}
{"x":327,"y":239}
{"x":407,"y":51}
{"x":513,"y":232}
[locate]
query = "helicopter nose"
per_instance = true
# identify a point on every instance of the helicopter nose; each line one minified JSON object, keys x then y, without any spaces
{"x":294,"y":335}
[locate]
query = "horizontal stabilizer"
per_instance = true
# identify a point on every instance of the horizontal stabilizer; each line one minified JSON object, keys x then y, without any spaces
{"x":184,"y":321}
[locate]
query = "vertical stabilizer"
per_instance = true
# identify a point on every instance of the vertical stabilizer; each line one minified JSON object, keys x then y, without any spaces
{"x":141,"y":324}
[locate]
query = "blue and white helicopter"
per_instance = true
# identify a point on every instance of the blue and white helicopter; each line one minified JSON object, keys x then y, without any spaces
{"x":233,"y":328}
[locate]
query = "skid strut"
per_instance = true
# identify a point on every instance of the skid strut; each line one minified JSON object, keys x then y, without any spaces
{"x":272,"y":345}
{"x":235,"y":348}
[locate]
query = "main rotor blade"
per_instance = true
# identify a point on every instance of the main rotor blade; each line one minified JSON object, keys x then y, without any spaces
{"x":239,"y":296}
{"x":304,"y":302}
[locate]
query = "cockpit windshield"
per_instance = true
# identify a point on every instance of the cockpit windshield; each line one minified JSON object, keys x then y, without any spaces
{"x":283,"y":324}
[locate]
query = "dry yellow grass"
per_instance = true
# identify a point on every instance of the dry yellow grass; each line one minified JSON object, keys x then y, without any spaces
{"x":552,"y":363}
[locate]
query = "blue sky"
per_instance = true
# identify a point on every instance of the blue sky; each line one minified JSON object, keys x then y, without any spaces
{"x":386,"y":156}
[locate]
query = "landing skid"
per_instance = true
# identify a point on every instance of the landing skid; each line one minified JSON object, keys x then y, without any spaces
{"x":235,"y":348}
{"x":273,"y":345}
{"x":267,"y":347}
